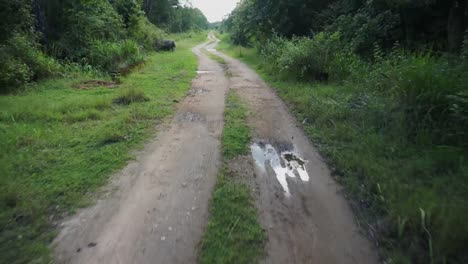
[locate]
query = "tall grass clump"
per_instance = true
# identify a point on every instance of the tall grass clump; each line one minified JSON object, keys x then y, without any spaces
{"x":320,"y":58}
{"x":114,"y":56}
{"x":429,"y":90}
{"x":144,"y":33}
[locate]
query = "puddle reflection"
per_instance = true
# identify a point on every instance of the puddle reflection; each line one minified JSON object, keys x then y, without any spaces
{"x":284,"y":164}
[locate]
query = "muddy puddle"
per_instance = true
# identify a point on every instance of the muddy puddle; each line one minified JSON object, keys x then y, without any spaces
{"x":193,"y":92}
{"x":190,"y":117}
{"x":284,"y":163}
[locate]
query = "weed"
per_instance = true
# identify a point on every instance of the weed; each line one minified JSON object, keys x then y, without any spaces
{"x":215,"y":57}
{"x":130,"y":95}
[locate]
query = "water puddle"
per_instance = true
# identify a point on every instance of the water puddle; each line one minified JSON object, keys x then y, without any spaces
{"x":193,"y":92}
{"x":190,"y":117}
{"x":204,"y":72}
{"x":284,"y":163}
{"x":211,"y":50}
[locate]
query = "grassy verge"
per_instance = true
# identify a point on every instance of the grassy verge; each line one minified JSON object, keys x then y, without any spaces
{"x":234,"y":234}
{"x":410,"y":194}
{"x":60,"y":143}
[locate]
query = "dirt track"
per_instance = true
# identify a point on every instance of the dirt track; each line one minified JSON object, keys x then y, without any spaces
{"x":158,"y":207}
{"x":309,"y":221}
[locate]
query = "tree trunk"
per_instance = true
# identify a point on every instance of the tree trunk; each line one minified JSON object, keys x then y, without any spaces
{"x":39,"y":20}
{"x":455,"y":26}
{"x":148,"y":7}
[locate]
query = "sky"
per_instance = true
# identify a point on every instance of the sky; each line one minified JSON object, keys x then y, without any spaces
{"x":215,"y":10}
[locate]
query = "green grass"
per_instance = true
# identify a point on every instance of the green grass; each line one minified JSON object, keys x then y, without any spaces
{"x":390,"y":177}
{"x":215,"y":57}
{"x":59,"y":144}
{"x":236,"y":134}
{"x":234,"y":234}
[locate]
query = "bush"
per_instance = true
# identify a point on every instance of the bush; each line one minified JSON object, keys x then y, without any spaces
{"x":21,"y":61}
{"x":114,"y":56}
{"x":427,"y":89}
{"x":26,"y":50}
{"x":13,"y":72}
{"x":144,"y":33}
{"x":87,"y":22}
{"x":302,"y":58}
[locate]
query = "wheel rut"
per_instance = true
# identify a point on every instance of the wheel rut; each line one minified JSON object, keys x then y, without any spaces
{"x":155,"y":210}
{"x":300,"y":205}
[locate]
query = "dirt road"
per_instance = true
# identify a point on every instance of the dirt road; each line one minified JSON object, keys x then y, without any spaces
{"x":300,"y":205}
{"x":156,"y":209}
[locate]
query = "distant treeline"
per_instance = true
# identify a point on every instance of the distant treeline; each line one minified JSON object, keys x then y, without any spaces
{"x":42,"y":38}
{"x":434,"y":24}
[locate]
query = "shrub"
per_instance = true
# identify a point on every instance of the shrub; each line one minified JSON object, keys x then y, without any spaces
{"x":21,"y":61}
{"x":302,"y":58}
{"x":347,"y":66}
{"x":114,"y":56}
{"x":426,"y":88}
{"x":13,"y":72}
{"x":87,"y":22}
{"x":144,"y":33}
{"x":27,"y":51}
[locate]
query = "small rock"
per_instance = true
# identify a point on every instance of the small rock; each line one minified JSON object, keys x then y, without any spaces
{"x":170,"y":228}
{"x":92,"y":244}
{"x":163,"y":238}
{"x":184,"y":184}
{"x":78,"y":250}
{"x":20,"y":236}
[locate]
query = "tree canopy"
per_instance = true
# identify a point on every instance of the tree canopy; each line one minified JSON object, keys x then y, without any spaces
{"x":37,"y":36}
{"x":435,"y":24}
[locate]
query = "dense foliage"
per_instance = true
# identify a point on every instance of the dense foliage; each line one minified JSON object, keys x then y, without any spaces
{"x":401,"y":72}
{"x":174,"y":17}
{"x":38,"y":37}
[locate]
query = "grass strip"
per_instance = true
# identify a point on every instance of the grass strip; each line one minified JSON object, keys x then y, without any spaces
{"x":233,"y":234}
{"x":215,"y":57}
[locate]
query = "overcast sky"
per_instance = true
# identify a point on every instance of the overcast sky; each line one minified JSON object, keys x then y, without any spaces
{"x":215,"y":10}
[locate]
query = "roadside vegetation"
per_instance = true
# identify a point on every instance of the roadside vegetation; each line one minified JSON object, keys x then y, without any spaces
{"x":233,"y":234}
{"x":44,"y":39}
{"x":388,"y":110}
{"x":81,"y":87}
{"x":64,"y":138}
